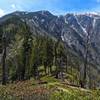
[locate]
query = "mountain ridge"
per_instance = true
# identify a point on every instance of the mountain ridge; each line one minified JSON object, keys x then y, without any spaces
{"x":58,"y":26}
{"x":75,"y":30}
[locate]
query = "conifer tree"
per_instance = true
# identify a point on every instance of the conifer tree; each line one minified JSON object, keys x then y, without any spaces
{"x":26,"y":51}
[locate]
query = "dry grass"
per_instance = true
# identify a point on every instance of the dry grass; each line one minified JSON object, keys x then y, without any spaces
{"x":52,"y":90}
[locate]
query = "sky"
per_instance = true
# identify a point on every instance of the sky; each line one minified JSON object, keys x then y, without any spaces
{"x":57,"y":7}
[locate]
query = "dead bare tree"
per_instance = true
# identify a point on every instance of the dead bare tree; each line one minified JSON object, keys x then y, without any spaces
{"x":4,"y":71}
{"x":87,"y":62}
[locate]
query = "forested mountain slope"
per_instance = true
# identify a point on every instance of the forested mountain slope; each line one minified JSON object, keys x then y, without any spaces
{"x":75,"y":38}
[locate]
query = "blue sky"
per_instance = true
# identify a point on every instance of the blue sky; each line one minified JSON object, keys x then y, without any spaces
{"x":54,"y":6}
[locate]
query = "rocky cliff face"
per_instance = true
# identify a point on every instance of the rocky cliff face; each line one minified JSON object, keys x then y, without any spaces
{"x":74,"y":29}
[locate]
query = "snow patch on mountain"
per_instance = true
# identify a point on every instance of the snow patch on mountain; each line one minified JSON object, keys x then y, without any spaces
{"x":94,"y":22}
{"x":84,"y":30}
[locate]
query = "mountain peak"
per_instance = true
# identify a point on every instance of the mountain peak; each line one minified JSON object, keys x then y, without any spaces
{"x":44,"y":12}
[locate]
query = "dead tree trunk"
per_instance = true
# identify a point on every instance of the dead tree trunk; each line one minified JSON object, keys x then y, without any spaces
{"x":4,"y":72}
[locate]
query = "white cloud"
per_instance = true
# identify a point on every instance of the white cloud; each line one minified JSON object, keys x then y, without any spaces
{"x":13,"y":6}
{"x":98,"y":1}
{"x":2,"y":13}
